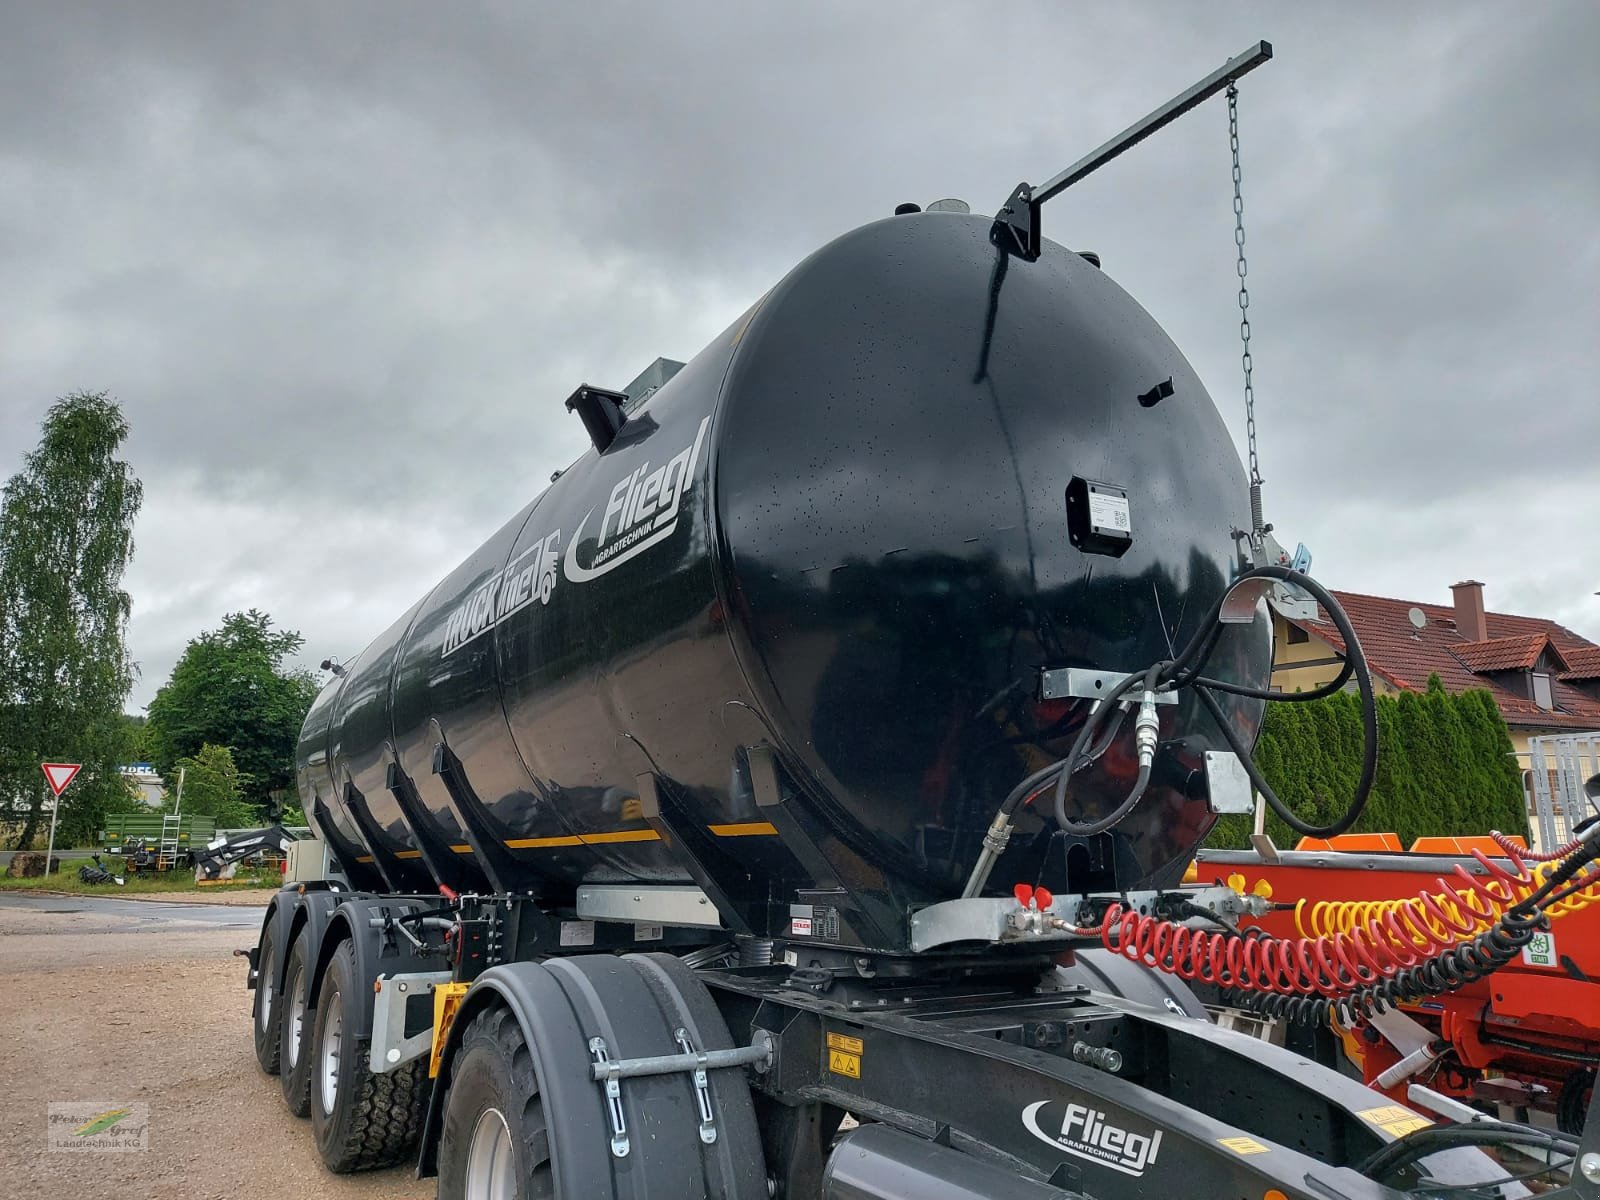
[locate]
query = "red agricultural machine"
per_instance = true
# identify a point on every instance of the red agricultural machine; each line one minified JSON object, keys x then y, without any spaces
{"x":1525,"y":1037}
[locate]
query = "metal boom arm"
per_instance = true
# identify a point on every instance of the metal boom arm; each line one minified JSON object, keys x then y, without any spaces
{"x":1016,"y":228}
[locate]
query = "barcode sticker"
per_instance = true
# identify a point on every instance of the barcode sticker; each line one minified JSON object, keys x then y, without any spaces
{"x":1109,"y":512}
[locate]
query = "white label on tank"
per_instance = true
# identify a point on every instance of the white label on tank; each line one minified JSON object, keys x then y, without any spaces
{"x":646,"y":933}
{"x":577,"y":933}
{"x":1541,"y":951}
{"x":791,"y":959}
{"x":800,"y":926}
{"x":1109,"y":512}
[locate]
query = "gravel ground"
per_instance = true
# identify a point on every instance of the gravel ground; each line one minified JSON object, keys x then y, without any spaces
{"x":119,"y":1010}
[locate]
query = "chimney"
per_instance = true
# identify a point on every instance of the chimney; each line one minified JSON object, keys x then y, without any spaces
{"x":1470,"y":621}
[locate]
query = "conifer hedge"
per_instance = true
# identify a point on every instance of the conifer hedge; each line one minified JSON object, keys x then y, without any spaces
{"x":1445,"y":766}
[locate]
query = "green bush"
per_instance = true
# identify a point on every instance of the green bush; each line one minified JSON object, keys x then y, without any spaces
{"x":1445,"y":766}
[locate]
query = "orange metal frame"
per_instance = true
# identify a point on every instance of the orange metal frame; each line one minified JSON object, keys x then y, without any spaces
{"x":1531,"y":1023}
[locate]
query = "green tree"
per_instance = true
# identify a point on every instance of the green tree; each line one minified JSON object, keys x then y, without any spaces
{"x":1445,"y":766}
{"x":66,"y":537}
{"x":231,"y":689}
{"x":213,"y":786}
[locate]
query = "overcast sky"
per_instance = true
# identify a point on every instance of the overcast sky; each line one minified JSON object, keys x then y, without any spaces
{"x":342,"y":262}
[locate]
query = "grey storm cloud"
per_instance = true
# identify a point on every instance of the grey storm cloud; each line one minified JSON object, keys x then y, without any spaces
{"x":341,"y":263}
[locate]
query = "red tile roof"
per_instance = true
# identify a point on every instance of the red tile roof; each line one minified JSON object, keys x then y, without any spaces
{"x":1405,"y":657}
{"x":1502,"y":654}
{"x":1582,"y":663}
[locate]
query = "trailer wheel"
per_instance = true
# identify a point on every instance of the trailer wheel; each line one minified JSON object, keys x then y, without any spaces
{"x":294,"y":1037}
{"x":524,"y":1118}
{"x":264,"y":1013}
{"x":495,"y":1145}
{"x":360,"y":1119}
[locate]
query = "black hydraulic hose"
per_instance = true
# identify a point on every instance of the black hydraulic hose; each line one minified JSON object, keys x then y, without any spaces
{"x":1406,"y":1150}
{"x":1369,"y":768}
{"x":1355,"y":664}
{"x":1041,"y":778}
{"x":1184,"y":670}
{"x":1135,"y":794}
{"x":1355,"y":660}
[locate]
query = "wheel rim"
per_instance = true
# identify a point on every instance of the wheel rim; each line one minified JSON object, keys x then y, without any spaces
{"x":332,"y":1035}
{"x":297,"y":1015}
{"x":264,"y":992}
{"x":491,"y":1164}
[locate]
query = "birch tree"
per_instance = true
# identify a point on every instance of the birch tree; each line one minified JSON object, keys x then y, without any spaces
{"x":66,"y":537}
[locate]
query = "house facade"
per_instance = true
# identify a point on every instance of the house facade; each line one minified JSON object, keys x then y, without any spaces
{"x":1544,"y":678}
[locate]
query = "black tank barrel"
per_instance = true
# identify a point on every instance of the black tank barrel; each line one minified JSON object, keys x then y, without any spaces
{"x":784,"y":637}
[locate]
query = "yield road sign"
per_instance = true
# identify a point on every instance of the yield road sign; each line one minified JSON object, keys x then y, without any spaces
{"x":60,"y":774}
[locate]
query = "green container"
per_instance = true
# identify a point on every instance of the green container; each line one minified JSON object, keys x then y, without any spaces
{"x":122,"y":828}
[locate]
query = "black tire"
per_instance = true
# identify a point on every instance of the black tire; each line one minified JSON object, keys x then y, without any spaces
{"x":264,"y":1012}
{"x":294,"y":1036}
{"x":493,"y":1077}
{"x":360,"y":1120}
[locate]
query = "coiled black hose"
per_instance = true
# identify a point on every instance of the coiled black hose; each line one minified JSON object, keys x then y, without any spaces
{"x":1185,"y":671}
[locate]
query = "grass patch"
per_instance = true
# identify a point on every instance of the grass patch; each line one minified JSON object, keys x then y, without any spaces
{"x":66,"y":880}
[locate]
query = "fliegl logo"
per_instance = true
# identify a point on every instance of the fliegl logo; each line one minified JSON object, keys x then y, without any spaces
{"x":1085,"y":1133}
{"x":642,"y":510}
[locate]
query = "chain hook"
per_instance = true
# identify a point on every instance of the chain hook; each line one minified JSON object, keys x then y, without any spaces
{"x":1258,"y":530}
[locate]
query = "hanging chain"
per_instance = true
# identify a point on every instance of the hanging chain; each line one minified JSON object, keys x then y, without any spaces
{"x":1244,"y":317}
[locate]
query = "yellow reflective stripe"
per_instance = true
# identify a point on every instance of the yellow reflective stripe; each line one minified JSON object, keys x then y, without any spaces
{"x":408,"y":853}
{"x":586,"y":839}
{"x":532,"y":843}
{"x":745,"y":829}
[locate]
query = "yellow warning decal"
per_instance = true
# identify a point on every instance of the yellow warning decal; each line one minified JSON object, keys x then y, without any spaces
{"x":841,"y":1063}
{"x":844,"y":1055}
{"x":1394,"y":1119}
{"x":1243,"y":1145}
{"x":850,"y":1045}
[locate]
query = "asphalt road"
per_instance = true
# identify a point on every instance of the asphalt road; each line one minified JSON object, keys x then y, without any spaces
{"x":113,"y":915}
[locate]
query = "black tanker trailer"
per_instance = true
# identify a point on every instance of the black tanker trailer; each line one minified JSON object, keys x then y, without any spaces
{"x":782,"y":758}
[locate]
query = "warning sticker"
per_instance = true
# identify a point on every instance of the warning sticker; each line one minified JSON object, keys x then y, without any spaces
{"x":1541,"y":951}
{"x":800,"y":926}
{"x":844,"y":1055}
{"x":841,"y":1063}
{"x":1394,"y":1119}
{"x":1243,"y":1145}
{"x":577,"y":933}
{"x":1109,"y":512}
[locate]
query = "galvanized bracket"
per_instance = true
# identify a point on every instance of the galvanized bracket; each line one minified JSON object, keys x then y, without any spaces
{"x":391,"y":1047}
{"x":603,"y":1068}
{"x":610,"y":1072}
{"x":1082,"y":683}
{"x":702,"y":1087}
{"x":1228,"y":788}
{"x":996,"y":921}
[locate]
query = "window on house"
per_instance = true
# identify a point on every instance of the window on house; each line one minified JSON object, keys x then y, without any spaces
{"x":1297,"y":635}
{"x":1542,"y":694}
